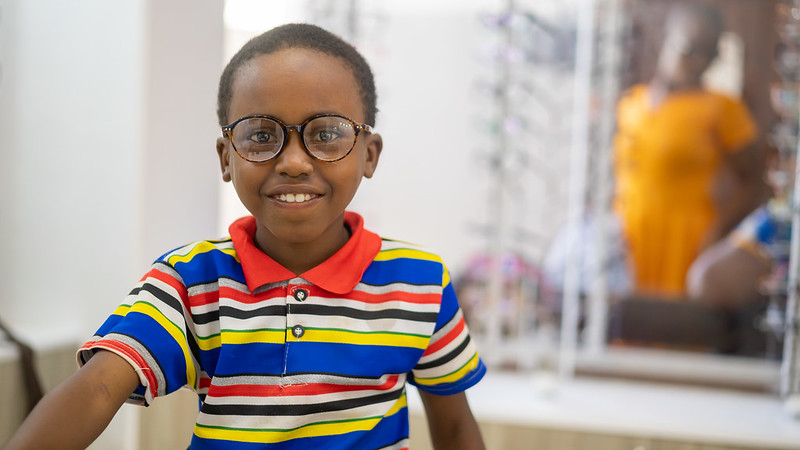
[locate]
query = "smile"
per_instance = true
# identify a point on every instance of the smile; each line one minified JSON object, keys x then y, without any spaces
{"x":294,"y":198}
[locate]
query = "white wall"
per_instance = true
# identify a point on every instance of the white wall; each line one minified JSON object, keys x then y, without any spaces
{"x":107,"y":130}
{"x":70,"y":135}
{"x":107,"y":137}
{"x":433,"y":183}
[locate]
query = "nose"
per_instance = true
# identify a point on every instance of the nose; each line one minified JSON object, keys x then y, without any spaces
{"x":293,"y":160}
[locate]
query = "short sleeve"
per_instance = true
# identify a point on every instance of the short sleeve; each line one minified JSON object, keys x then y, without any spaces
{"x":149,"y":331}
{"x":450,"y":364}
{"x":736,"y":127}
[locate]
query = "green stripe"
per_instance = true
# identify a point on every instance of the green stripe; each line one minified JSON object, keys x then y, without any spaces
{"x":396,"y":333}
{"x":133,"y":308}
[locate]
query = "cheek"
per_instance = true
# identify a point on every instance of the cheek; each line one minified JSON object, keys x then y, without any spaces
{"x":246,"y":178}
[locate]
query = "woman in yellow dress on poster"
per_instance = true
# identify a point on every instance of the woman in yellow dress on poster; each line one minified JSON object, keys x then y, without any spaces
{"x":686,"y":165}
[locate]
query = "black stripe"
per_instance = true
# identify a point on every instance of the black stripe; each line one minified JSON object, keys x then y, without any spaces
{"x":300,"y":409}
{"x":165,"y":298}
{"x":446,"y":358}
{"x":202,"y":319}
{"x":175,"y":304}
{"x":407,"y":283}
{"x":264,"y":311}
{"x":344,"y":311}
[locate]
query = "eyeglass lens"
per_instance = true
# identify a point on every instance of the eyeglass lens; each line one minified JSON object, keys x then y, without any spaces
{"x":327,"y":138}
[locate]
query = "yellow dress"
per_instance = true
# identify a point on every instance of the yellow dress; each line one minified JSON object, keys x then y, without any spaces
{"x":666,"y":159}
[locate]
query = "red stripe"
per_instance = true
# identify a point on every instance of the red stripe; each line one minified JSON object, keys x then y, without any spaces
{"x":241,"y":297}
{"x":171,"y":281}
{"x":119,"y":347}
{"x":204,"y":298}
{"x":393,"y":296}
{"x":281,"y":292}
{"x":256,"y":390}
{"x":446,"y":339}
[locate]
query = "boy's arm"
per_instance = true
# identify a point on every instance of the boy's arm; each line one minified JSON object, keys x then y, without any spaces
{"x":74,"y":413}
{"x":450,"y":422}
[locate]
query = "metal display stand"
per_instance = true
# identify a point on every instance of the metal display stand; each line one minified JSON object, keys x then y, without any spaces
{"x":785,"y":96}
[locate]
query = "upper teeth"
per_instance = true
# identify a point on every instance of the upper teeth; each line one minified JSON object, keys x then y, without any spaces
{"x":294,"y":198}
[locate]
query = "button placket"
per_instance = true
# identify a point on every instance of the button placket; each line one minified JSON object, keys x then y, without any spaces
{"x":298,"y":294}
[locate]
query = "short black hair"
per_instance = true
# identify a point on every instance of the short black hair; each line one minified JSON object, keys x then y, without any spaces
{"x":708,"y":16}
{"x":299,"y":35}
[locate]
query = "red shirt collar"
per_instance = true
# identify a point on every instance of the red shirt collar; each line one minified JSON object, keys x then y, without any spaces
{"x":338,"y":274}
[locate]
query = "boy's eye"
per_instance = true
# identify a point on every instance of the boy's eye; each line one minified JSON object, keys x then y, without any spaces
{"x":261,"y":137}
{"x":325,"y":135}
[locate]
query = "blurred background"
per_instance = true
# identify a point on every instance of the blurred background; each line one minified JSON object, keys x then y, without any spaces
{"x":563,"y":157}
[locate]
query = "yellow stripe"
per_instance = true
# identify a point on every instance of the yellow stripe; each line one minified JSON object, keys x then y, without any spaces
{"x":451,"y":377}
{"x":177,"y":334}
{"x":262,"y":336}
{"x":271,"y":436}
{"x":121,"y":310}
{"x":202,"y":247}
{"x":398,"y":405}
{"x":386,"y":255}
{"x":206,"y":343}
{"x":365,"y":338}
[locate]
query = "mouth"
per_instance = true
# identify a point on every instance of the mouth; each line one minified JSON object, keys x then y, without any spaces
{"x":294,"y":197}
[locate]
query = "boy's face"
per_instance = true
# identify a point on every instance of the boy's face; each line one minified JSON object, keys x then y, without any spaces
{"x":293,"y":85}
{"x":688,"y":50}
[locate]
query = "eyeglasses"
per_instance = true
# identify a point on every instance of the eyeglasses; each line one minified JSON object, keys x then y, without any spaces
{"x":326,"y":137}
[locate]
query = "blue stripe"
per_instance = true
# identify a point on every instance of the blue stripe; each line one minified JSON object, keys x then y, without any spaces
{"x":348,"y":359}
{"x":316,"y":357}
{"x":160,"y":344}
{"x":404,"y":270}
{"x":254,"y":358}
{"x":208,"y":267}
{"x":448,"y":307}
{"x":387,"y":432}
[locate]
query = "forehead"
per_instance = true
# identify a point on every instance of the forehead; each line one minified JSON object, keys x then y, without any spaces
{"x":694,"y":28}
{"x":295,"y":83}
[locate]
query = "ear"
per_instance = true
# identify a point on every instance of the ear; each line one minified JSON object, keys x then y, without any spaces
{"x":373,"y":153}
{"x":224,"y":152}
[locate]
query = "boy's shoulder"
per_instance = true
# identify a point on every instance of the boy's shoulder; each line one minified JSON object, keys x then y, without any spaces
{"x":200,"y":250}
{"x":395,"y":248}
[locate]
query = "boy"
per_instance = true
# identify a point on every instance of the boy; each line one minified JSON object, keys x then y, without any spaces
{"x":301,"y":329}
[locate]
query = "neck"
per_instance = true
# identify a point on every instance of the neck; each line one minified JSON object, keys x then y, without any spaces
{"x":300,"y":257}
{"x":659,"y":88}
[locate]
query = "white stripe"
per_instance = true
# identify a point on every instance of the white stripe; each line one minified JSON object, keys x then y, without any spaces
{"x":399,"y":303}
{"x":299,"y":399}
{"x":452,"y":345}
{"x":433,"y":288}
{"x":291,"y":422}
{"x":267,"y":380}
{"x":361,"y":325}
{"x":450,"y":367}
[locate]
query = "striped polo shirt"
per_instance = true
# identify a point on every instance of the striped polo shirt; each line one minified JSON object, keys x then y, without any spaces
{"x":279,"y":360}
